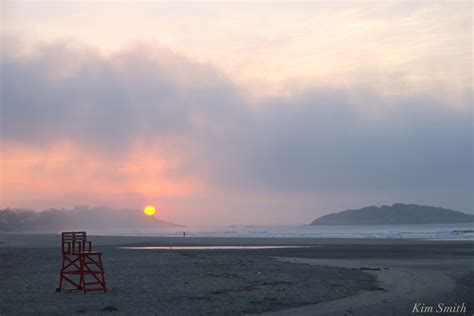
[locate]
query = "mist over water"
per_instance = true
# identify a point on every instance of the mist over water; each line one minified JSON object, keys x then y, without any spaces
{"x":463,"y":231}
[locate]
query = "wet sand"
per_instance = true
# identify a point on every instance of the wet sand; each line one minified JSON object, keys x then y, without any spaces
{"x":336,"y":277}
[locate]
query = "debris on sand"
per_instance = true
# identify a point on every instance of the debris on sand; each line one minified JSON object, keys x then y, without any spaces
{"x":109,"y":308}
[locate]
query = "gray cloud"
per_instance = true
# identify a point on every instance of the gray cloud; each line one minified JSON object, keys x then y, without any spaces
{"x":63,"y":93}
{"x":320,"y":142}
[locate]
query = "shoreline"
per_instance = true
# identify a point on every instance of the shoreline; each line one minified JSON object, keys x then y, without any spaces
{"x":42,"y":240}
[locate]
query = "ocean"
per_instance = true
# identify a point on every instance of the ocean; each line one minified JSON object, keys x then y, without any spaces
{"x":463,"y":231}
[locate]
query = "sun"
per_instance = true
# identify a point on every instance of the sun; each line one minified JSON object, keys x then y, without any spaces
{"x":149,"y":210}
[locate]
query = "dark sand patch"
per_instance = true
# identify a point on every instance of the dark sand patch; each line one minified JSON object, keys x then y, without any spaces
{"x":406,"y":282}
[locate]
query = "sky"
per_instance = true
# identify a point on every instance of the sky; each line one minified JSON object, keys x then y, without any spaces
{"x":229,"y":113}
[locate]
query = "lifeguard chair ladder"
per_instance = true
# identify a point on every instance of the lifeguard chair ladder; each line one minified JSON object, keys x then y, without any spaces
{"x":82,"y":268}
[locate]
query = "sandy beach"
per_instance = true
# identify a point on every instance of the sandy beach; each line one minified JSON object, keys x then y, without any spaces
{"x":326,"y":277}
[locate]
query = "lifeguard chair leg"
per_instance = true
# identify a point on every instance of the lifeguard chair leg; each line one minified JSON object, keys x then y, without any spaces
{"x":93,"y":268}
{"x":69,"y":270}
{"x":61,"y":277}
{"x":81,"y":269}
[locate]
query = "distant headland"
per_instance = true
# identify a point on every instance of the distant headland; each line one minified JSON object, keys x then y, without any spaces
{"x":396,"y":214}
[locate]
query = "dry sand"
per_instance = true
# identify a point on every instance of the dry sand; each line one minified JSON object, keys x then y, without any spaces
{"x":323,"y":280}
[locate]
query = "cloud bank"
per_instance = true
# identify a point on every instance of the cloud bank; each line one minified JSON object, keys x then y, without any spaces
{"x":148,"y":123}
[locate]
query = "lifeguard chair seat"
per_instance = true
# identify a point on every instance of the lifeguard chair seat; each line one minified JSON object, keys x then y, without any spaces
{"x":82,"y":268}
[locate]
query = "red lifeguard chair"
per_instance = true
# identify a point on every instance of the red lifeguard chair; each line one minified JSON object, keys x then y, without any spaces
{"x":82,"y":268}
